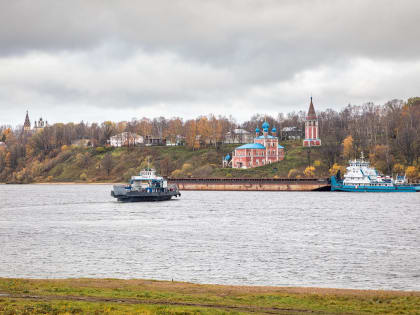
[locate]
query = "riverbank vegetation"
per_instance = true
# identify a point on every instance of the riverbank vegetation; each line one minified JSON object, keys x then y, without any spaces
{"x":112,"y":296}
{"x":388,"y":134}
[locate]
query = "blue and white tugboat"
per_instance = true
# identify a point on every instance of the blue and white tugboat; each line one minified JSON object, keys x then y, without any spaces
{"x":361,"y":177}
{"x":145,"y":187}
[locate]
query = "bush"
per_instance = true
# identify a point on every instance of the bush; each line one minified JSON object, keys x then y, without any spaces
{"x":309,"y":171}
{"x":398,"y":168}
{"x":411,"y":172}
{"x":293,"y":173}
{"x":335,"y":168}
{"x":83,"y":176}
{"x":100,"y":149}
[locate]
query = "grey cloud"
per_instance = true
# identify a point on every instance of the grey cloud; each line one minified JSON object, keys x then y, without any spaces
{"x":136,"y":55}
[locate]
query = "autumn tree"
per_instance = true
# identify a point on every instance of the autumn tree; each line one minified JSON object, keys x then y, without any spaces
{"x":191,"y":133}
{"x":348,"y":147}
{"x":108,"y":129}
{"x":381,"y":158}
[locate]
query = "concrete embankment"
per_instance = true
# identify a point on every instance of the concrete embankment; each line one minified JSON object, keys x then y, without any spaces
{"x":252,"y":184}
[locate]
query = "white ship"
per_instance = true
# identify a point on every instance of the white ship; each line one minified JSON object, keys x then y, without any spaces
{"x":361,"y":177}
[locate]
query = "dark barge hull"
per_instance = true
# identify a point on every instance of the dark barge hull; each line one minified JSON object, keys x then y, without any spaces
{"x":144,"y":196}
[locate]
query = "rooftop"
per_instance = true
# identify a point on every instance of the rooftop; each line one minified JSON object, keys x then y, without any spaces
{"x":251,"y":146}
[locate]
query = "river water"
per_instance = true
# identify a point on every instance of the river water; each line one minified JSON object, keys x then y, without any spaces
{"x":323,"y":239}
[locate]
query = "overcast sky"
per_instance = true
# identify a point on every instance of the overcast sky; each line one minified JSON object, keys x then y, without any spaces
{"x":115,"y":60}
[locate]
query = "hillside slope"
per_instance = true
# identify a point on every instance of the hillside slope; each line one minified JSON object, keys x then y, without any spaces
{"x":77,"y":164}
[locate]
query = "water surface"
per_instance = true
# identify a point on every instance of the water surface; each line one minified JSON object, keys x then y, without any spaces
{"x":324,"y":239}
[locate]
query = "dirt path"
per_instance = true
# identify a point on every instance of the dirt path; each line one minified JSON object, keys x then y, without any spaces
{"x":242,"y":308}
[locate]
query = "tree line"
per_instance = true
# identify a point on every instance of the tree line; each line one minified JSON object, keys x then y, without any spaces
{"x":389,"y":134}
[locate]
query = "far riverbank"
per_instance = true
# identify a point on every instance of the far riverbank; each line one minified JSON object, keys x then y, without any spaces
{"x":151,"y":296}
{"x":232,"y":184}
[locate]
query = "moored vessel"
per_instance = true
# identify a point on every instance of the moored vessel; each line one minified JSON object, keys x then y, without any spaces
{"x":360,"y":177}
{"x":146,"y":186}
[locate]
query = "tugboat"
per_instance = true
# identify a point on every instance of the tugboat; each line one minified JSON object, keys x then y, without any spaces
{"x":147,"y":186}
{"x":360,"y":177}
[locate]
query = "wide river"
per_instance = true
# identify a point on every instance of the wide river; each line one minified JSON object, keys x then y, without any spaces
{"x":323,"y":239}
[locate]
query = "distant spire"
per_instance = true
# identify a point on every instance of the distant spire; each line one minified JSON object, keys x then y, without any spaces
{"x":311,"y":111}
{"x":27,"y":124}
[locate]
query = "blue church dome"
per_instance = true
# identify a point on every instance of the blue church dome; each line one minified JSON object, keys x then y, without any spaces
{"x":265,"y":129}
{"x":227,"y":157}
{"x":274,"y":130}
{"x":265,"y":125}
{"x":257,"y":130}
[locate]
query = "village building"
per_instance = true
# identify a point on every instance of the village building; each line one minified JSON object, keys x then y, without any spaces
{"x":125,"y":139}
{"x":179,"y":140}
{"x":150,"y":140}
{"x":238,"y":136}
{"x":290,"y":133}
{"x":311,"y":128}
{"x":264,"y":150}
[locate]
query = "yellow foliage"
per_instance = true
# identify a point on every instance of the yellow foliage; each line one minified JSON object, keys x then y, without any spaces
{"x":83,"y":176}
{"x":335,"y":168}
{"x":309,"y":171}
{"x":65,"y":148}
{"x":348,"y":147}
{"x":411,"y":172}
{"x":186,"y":167}
{"x":317,"y":163}
{"x":398,"y":168}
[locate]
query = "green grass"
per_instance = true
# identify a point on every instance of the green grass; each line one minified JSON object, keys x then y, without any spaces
{"x":24,"y":306}
{"x":155,"y":297}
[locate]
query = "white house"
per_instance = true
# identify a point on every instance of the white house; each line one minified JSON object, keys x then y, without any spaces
{"x":238,"y":136}
{"x":126,"y":139}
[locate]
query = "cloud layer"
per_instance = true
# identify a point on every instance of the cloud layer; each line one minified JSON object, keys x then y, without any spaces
{"x":97,"y":60}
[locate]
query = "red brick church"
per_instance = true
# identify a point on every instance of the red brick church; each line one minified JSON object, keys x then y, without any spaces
{"x":264,"y":150}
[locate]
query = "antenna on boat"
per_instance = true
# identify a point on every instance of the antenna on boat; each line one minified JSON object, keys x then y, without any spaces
{"x":362,"y":156}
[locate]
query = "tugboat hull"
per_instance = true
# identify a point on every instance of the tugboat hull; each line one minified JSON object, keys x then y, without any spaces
{"x":339,"y":186}
{"x":133,"y":196}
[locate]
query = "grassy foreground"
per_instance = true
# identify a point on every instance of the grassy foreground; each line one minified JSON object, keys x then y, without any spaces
{"x":113,"y":296}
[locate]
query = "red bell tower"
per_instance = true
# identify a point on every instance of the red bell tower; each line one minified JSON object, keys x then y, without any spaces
{"x":311,"y":128}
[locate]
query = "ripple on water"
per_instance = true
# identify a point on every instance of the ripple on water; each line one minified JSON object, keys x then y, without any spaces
{"x":254,"y":238}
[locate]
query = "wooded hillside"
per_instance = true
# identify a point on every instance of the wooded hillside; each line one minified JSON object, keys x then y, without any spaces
{"x":388,"y":134}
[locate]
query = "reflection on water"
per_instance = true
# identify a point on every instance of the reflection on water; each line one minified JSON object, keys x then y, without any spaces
{"x":325,"y":239}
